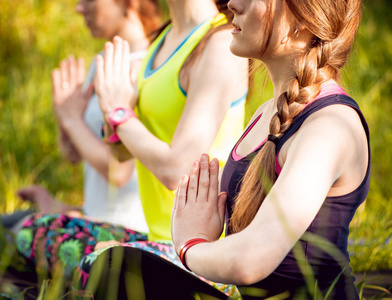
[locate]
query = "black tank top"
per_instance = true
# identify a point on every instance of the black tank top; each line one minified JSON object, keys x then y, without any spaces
{"x":331,"y":223}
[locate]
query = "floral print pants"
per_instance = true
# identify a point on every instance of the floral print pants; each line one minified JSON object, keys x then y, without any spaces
{"x":47,"y":240}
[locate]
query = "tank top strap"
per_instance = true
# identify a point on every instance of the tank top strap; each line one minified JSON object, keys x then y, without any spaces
{"x":318,"y":105}
{"x":176,"y":59}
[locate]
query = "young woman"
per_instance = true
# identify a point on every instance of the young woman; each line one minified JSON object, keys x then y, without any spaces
{"x":80,"y":119}
{"x":191,"y":91}
{"x":298,"y":173}
{"x":110,"y":189}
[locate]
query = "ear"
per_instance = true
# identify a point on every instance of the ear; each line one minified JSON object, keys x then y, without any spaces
{"x":300,"y":26}
{"x":299,"y":29}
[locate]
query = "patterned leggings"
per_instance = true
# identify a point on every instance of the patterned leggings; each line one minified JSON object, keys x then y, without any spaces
{"x":46,"y":240}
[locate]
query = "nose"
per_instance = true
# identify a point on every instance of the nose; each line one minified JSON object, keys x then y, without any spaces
{"x":235,"y":6}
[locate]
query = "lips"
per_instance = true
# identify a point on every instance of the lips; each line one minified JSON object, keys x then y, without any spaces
{"x":236,"y":29}
{"x":236,"y":26}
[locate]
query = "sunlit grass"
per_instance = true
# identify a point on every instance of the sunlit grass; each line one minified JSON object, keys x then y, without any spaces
{"x":35,"y":36}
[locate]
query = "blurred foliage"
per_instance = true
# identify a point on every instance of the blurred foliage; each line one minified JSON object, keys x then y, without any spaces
{"x":368,"y":77}
{"x":36,"y":34}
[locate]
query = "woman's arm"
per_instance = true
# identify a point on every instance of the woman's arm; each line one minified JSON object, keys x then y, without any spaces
{"x":97,"y":154}
{"x":315,"y":160}
{"x":217,"y":79}
{"x":66,"y":86}
{"x":66,"y":147}
{"x":77,"y":141}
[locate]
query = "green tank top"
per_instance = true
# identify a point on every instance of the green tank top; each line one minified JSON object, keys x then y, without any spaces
{"x":160,"y":106}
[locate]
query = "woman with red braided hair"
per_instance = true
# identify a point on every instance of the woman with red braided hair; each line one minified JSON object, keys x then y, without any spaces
{"x":294,"y":180}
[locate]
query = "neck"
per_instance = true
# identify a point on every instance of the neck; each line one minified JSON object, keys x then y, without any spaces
{"x":133,"y":32}
{"x":186,"y":14}
{"x":281,"y":73}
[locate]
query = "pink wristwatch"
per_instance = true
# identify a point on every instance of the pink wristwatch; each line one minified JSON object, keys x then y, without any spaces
{"x":116,"y":117}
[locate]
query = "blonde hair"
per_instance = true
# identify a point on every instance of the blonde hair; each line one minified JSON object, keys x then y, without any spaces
{"x":334,"y":25}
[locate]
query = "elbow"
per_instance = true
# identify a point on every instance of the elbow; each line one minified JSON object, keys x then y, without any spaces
{"x":169,"y":176}
{"x":118,"y":182}
{"x":118,"y":179}
{"x":71,"y":156}
{"x":247,"y":277}
{"x":249,"y":269}
{"x":170,"y":182}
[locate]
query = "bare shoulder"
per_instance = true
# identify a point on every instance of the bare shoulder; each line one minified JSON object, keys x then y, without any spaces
{"x":333,"y":139}
{"x":340,"y":121}
{"x":334,"y":134}
{"x":217,"y":53}
{"x":218,"y":72}
{"x":220,"y":40}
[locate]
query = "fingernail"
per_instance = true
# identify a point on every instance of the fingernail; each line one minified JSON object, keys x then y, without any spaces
{"x":213,"y":164}
{"x":195,"y":164}
{"x":203,"y":158}
{"x":223,"y":196}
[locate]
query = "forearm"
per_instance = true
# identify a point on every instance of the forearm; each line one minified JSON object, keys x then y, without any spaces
{"x":249,"y":256}
{"x":120,"y":172}
{"x":206,"y":260}
{"x":117,"y":150}
{"x":167,"y":163}
{"x":88,"y":146}
{"x":67,"y":148}
{"x":226,"y":261}
{"x":120,"y":152}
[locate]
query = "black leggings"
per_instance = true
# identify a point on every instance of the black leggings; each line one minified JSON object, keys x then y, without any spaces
{"x":139,"y":274}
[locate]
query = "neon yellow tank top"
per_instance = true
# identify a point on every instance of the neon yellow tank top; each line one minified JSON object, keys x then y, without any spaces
{"x":160,"y":106}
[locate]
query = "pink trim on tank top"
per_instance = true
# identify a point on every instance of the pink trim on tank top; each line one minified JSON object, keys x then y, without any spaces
{"x":326,"y":90}
{"x":234,"y":154}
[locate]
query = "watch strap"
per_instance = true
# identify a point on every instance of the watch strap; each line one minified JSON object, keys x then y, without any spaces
{"x":113,"y":138}
{"x":128,"y":113}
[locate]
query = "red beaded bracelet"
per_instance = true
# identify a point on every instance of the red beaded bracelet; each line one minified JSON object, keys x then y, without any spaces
{"x":186,"y":247}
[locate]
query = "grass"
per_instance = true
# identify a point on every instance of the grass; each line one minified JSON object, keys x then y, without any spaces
{"x":35,"y":36}
{"x":369,"y":77}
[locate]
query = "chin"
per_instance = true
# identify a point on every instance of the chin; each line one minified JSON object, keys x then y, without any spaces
{"x":97,"y":34}
{"x":238,"y":50}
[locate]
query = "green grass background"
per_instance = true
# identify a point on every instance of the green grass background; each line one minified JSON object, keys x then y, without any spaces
{"x":36,"y":34}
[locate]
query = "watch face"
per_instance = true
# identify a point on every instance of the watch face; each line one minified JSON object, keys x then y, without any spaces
{"x":118,"y":115}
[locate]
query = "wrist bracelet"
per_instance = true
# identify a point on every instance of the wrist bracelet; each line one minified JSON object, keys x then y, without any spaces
{"x":186,"y":247}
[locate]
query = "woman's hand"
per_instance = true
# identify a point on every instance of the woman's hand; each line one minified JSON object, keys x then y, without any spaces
{"x":113,"y":79}
{"x":198,"y":211}
{"x":68,"y":100}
